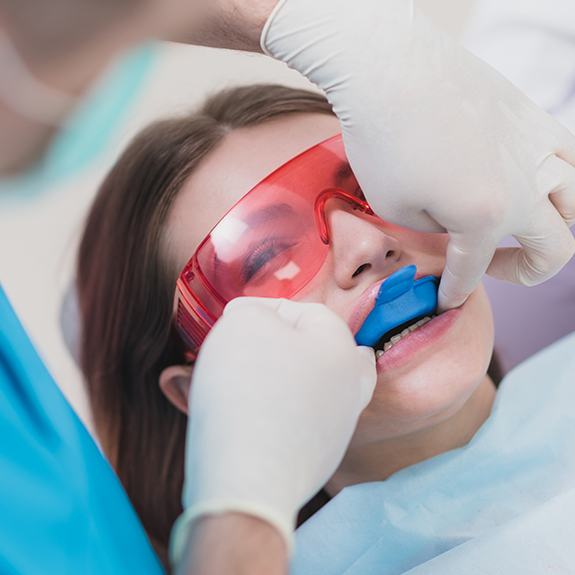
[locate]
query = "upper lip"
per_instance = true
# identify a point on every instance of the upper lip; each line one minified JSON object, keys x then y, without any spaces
{"x":366,"y":302}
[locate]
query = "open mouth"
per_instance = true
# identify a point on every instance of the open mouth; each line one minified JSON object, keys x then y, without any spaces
{"x":402,"y":305}
{"x":395,"y":335}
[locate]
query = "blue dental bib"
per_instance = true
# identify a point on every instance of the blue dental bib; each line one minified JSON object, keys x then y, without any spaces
{"x":401,"y":299}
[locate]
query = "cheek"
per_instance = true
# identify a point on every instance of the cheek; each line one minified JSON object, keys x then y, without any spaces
{"x":434,"y":389}
{"x":321,"y":289}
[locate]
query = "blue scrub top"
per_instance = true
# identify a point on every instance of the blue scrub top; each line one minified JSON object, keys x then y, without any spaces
{"x":62,"y":508}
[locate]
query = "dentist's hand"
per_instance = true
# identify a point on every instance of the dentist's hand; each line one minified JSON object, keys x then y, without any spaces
{"x":276,"y":393}
{"x":438,"y":139}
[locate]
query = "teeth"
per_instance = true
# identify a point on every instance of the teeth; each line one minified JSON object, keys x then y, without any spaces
{"x":388,"y":345}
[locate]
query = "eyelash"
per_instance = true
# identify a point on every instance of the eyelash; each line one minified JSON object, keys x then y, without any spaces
{"x":261,"y":255}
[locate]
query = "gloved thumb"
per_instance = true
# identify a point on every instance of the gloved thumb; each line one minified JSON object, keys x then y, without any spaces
{"x":305,"y":316}
{"x":250,"y":302}
{"x":289,"y":311}
{"x":468,"y":256}
{"x":368,"y":374}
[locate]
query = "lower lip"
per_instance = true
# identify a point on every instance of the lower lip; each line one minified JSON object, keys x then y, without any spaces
{"x":417,"y":341}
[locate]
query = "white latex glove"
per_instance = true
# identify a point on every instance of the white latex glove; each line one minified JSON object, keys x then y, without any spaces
{"x":276,"y":393}
{"x":438,"y":140}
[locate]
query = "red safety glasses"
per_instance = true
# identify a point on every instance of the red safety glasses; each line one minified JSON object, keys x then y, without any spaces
{"x":269,"y":244}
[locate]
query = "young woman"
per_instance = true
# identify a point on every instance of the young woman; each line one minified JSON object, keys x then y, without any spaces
{"x":168,"y":190}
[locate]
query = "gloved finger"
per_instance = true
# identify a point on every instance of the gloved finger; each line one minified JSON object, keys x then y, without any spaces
{"x":546,"y":248}
{"x":556,"y":179}
{"x":367,"y":374}
{"x":300,"y":315}
{"x":468,"y":256}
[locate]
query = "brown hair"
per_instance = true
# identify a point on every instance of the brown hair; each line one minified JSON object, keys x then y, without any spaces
{"x":126,"y":288}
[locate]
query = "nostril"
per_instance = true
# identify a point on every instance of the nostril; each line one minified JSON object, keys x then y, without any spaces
{"x":390,"y":254}
{"x":360,"y":269}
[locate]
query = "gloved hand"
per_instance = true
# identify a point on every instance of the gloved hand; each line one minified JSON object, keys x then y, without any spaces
{"x":276,"y":392}
{"x":437,"y":139}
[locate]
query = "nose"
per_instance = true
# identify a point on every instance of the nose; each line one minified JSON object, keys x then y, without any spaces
{"x":361,"y":248}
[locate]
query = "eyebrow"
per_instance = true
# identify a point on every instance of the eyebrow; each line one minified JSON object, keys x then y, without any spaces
{"x":271,"y":212}
{"x":342,"y":173}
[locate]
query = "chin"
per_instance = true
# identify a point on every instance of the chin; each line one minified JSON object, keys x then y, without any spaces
{"x":431,"y":378}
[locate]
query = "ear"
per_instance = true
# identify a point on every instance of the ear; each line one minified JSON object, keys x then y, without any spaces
{"x":175,"y":384}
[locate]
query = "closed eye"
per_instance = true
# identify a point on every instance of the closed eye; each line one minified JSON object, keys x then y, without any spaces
{"x":264,"y":253}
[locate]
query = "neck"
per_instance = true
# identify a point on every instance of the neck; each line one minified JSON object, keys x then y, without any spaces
{"x":377,"y":461}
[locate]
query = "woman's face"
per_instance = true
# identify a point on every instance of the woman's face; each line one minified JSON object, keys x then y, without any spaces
{"x":423,"y":379}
